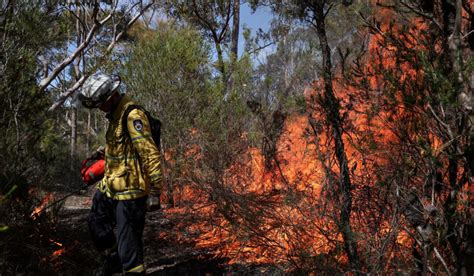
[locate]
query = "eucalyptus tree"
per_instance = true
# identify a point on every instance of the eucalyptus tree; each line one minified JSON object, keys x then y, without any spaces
{"x":219,"y":21}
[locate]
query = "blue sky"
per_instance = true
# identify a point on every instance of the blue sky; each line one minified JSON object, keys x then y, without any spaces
{"x":260,"y":19}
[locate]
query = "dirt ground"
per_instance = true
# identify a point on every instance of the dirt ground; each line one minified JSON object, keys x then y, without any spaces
{"x":165,"y":252}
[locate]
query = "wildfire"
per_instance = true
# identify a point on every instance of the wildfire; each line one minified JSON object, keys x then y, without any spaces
{"x":58,"y":252}
{"x":44,"y":202}
{"x":295,"y":223}
{"x":286,"y":226}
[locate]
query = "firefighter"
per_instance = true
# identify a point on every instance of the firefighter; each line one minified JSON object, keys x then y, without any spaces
{"x":132,"y":179}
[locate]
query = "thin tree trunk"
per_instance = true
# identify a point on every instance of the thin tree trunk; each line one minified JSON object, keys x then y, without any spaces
{"x":89,"y":112}
{"x":234,"y":49}
{"x":462,"y":92}
{"x":235,"y":31}
{"x":456,"y":47}
{"x":88,"y":133}
{"x":220,"y":61}
{"x":73,"y":136}
{"x":168,"y":182}
{"x":76,"y":76}
{"x":332,"y":108}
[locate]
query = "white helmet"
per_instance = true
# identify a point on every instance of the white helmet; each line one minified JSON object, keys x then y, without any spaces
{"x":97,"y":89}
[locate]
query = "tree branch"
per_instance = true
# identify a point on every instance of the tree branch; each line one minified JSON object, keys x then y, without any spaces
{"x":130,"y":23}
{"x":69,"y":92}
{"x":226,"y":25}
{"x":205,"y":22}
{"x":261,"y":47}
{"x":60,"y":67}
{"x":438,"y":119}
{"x":63,"y":96}
{"x":441,"y":260}
{"x":422,"y":14}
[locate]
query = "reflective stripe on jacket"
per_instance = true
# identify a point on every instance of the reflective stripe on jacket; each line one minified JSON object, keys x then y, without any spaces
{"x":132,"y":161}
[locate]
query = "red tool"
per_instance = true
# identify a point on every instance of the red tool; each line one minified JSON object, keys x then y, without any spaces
{"x":92,"y":170}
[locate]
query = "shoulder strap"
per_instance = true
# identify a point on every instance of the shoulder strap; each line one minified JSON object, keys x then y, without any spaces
{"x":125,"y":127}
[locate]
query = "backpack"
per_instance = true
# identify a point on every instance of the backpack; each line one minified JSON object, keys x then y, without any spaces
{"x":155,"y":124}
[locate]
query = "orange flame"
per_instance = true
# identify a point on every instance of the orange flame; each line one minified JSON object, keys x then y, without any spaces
{"x":293,"y":224}
{"x":44,"y":202}
{"x":55,"y":242}
{"x":58,"y":252}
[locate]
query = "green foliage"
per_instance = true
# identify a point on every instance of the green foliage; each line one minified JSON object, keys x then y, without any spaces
{"x":212,"y":18}
{"x":242,"y":74}
{"x":30,"y":28}
{"x":171,"y":74}
{"x":469,"y":65}
{"x":285,"y":74}
{"x":31,"y":141}
{"x":168,"y":73}
{"x":436,"y":80}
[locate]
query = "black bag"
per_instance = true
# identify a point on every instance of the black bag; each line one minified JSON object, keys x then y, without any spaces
{"x":155,"y":124}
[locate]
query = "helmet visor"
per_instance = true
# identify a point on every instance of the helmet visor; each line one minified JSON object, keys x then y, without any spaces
{"x":96,"y":102}
{"x":88,"y":102}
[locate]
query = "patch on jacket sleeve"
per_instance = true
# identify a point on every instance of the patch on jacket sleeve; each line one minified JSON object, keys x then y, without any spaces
{"x":138,"y":125}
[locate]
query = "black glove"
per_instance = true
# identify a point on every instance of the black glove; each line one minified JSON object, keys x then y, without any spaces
{"x":153,"y":201}
{"x":98,"y":154}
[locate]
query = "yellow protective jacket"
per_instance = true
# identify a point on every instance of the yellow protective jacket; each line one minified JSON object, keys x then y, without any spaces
{"x":132,"y":161}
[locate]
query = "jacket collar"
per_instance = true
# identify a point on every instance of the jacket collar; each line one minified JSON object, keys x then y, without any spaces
{"x":118,"y":111}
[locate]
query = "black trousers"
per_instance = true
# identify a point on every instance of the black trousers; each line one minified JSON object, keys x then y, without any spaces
{"x":128,"y":217}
